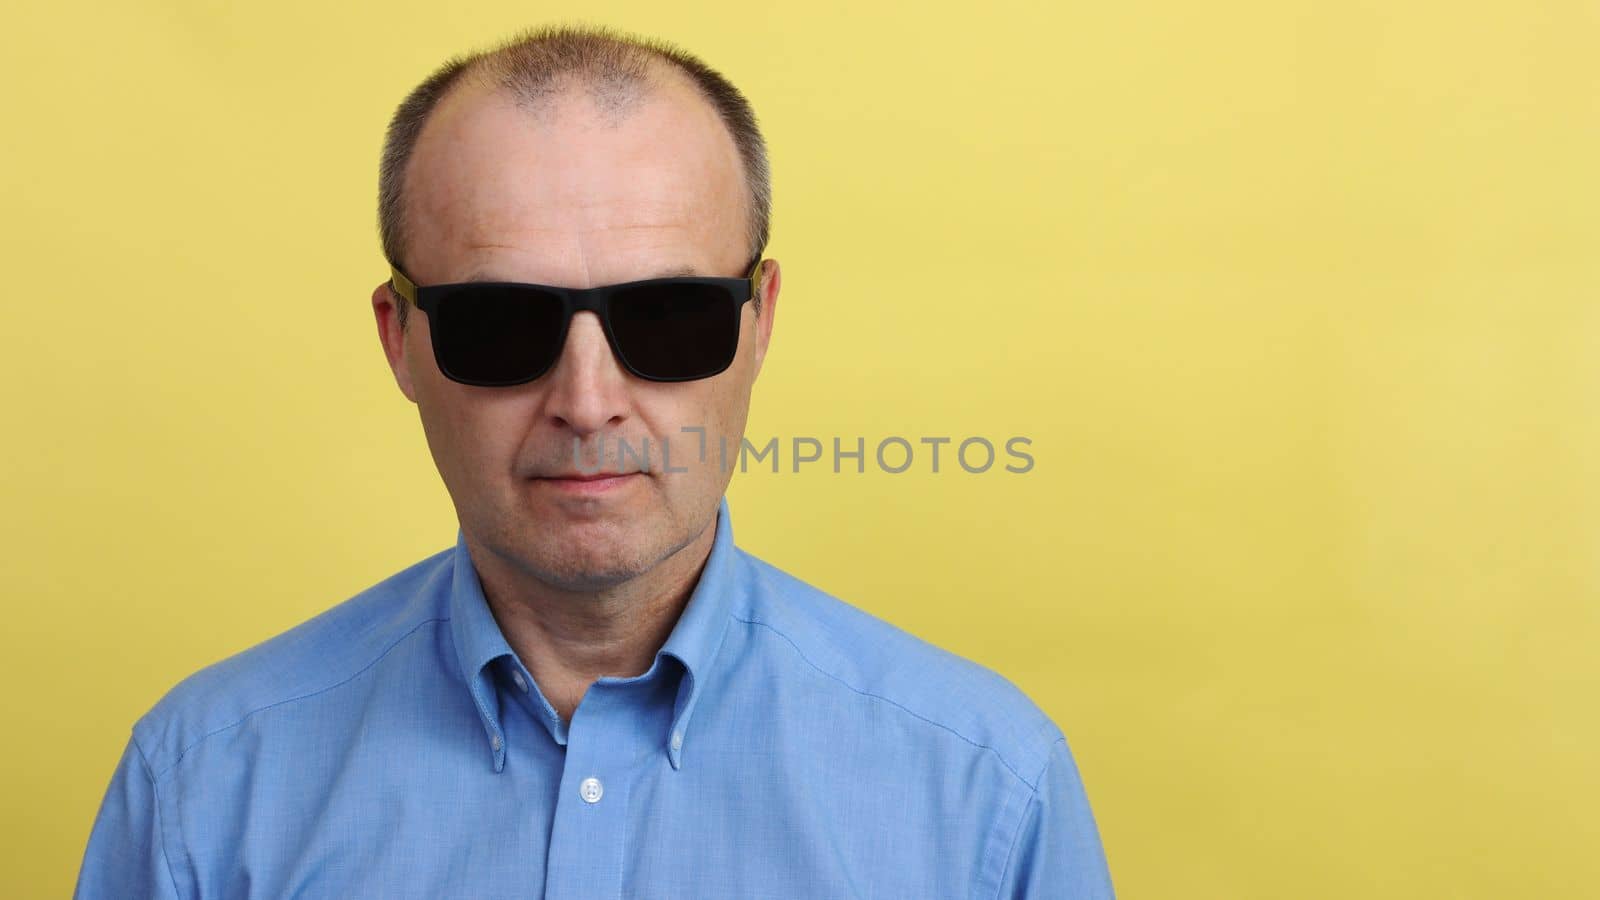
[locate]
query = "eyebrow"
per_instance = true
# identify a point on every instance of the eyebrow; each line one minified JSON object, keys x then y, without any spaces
{"x":668,"y":272}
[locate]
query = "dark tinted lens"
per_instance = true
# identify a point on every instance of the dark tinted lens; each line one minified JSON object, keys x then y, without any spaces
{"x":497,"y":335}
{"x":676,"y":331}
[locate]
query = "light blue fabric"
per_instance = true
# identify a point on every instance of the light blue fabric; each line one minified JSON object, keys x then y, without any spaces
{"x":784,"y":744}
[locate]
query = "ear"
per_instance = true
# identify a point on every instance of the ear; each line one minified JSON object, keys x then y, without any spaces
{"x":771,"y":280}
{"x":385,"y":310}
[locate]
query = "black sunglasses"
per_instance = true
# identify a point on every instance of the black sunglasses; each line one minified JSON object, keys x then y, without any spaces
{"x":496,"y":333}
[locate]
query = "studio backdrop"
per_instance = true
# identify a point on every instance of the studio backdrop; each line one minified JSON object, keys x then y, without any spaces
{"x":1258,"y":344}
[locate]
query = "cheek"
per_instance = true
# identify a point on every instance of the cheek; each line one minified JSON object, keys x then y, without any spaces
{"x":709,"y":401}
{"x":690,"y":421}
{"x":474,"y":434}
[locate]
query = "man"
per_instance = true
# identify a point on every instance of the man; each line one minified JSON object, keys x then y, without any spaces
{"x":595,"y":693}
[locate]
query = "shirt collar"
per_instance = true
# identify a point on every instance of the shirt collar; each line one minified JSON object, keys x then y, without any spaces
{"x":694,"y":640}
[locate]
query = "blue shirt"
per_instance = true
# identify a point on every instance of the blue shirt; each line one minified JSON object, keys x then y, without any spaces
{"x":783,"y":744}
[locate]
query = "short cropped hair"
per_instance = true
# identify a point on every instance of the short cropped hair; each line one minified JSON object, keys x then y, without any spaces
{"x":537,"y":65}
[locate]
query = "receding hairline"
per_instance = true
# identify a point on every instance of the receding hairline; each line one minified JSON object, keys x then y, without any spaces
{"x":613,"y":93}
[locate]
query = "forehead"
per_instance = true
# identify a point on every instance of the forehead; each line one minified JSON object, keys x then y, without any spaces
{"x":569,"y":180}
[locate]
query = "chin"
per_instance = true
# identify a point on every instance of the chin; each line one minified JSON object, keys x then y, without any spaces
{"x":590,"y":555}
{"x":586,"y":571}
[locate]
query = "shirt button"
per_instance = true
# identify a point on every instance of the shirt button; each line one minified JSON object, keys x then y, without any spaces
{"x":495,"y":741}
{"x":590,"y":790}
{"x":522,"y":683}
{"x":677,"y":741}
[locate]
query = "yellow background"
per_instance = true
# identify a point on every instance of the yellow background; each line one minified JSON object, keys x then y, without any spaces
{"x":1296,"y":302}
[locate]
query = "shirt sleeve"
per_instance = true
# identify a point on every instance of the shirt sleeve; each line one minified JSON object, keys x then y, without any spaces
{"x":1057,"y":852}
{"x":126,"y":858}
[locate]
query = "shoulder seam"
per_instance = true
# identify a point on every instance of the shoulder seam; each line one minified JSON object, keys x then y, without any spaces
{"x":155,"y":794}
{"x":1016,"y":837}
{"x":375,"y":660}
{"x":884,"y":699}
{"x":1033,"y":798}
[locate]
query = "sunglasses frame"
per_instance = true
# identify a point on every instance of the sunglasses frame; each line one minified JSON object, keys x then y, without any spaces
{"x":575,"y":300}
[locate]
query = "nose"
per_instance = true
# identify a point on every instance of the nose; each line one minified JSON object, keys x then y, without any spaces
{"x":587,"y":388}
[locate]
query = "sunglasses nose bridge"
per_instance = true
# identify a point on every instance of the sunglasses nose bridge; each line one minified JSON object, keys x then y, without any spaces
{"x":587,"y":358}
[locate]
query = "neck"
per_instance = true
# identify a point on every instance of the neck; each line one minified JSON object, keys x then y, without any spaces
{"x":568,"y":639}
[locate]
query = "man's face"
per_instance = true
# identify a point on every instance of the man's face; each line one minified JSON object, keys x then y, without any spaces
{"x":577,"y":199}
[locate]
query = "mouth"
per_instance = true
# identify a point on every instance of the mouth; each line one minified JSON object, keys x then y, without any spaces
{"x":588,"y":485}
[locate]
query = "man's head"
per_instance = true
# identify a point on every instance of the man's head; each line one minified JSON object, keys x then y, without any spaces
{"x":576,"y":158}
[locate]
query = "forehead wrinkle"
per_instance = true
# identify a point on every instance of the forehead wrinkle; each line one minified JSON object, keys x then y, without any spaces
{"x":482,"y":235}
{"x":489,"y":270}
{"x":491,"y":220}
{"x":669,"y":240}
{"x":489,"y":274}
{"x":491,"y":223}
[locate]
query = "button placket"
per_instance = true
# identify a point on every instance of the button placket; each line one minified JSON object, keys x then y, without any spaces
{"x":589,"y":836}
